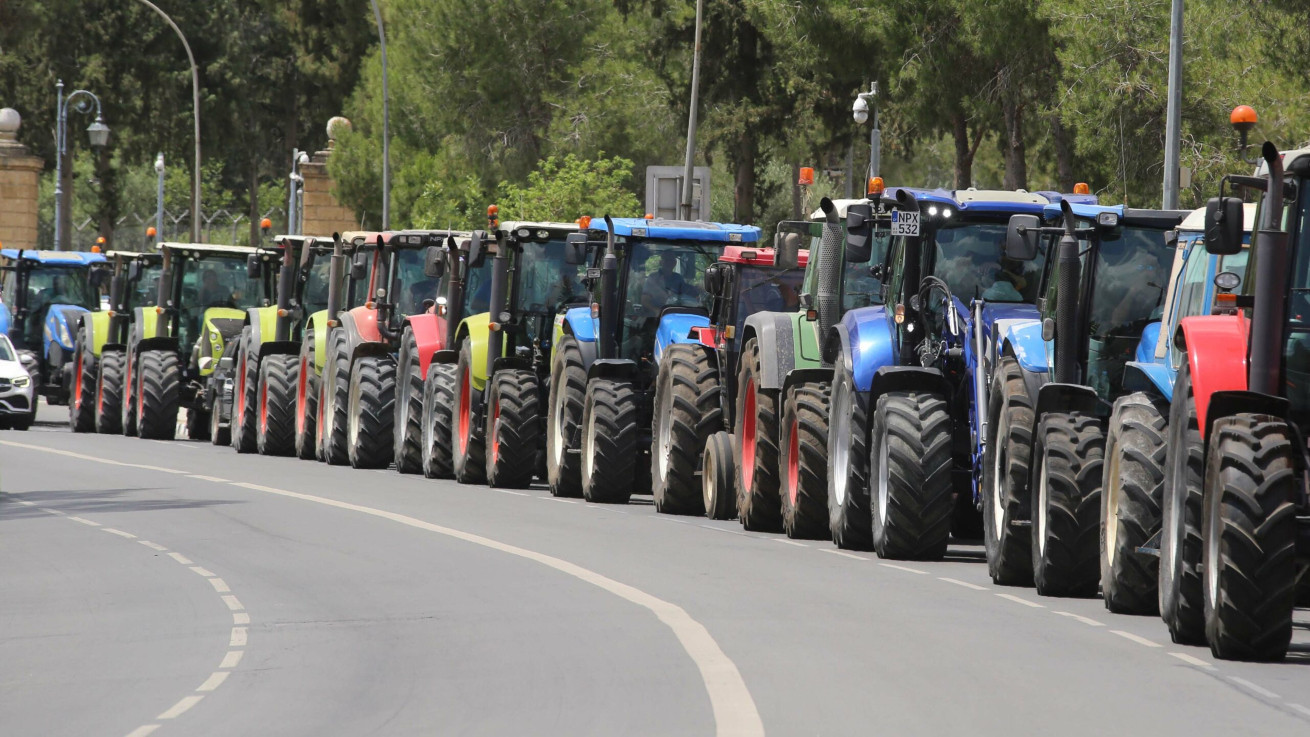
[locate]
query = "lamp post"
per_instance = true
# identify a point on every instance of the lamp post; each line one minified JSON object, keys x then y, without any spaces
{"x":864,"y":103}
{"x":295,"y":184}
{"x":1173,"y":111}
{"x":195,"y":114}
{"x":97,"y":132}
{"x":688,"y":169}
{"x":159,"y":199}
{"x":386,"y":124}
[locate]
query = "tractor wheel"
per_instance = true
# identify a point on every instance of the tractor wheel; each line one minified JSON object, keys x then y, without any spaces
{"x":306,"y":400}
{"x":408,"y":424}
{"x":371,"y":410}
{"x":911,"y":500}
{"x":127,"y":420}
{"x":568,"y":385}
{"x":277,"y":405}
{"x":849,"y":518}
{"x":82,"y":393}
{"x":1131,"y":493}
{"x":686,"y":413}
{"x":609,"y":442}
{"x":804,"y":443}
{"x":158,"y":389}
{"x":1249,"y":538}
{"x":470,"y":449}
{"x":717,"y":491}
{"x":1181,"y":604}
{"x":245,"y":396}
{"x":438,"y":419}
{"x":334,"y":402}
{"x":109,"y":393}
{"x":218,"y":433}
{"x":513,"y":429}
{"x":1067,"y":503}
{"x":1006,"y":458}
{"x":756,"y":451}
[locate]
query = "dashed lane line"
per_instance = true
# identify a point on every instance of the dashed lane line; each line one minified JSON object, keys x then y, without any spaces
{"x":219,"y":584}
{"x":895,"y":567}
{"x":1191,"y":660}
{"x":965,"y":584}
{"x":1080,"y":618}
{"x":785,"y":541}
{"x":214,"y":681}
{"x":1255,"y":688}
{"x":1135,"y":638}
{"x":1301,"y":709}
{"x":232,"y":659}
{"x":515,"y":493}
{"x":1021,"y":600}
{"x":85,"y":521}
{"x":240,"y":618}
{"x":202,"y":477}
{"x":152,"y":546}
{"x":843,"y":553}
{"x":233,"y":603}
{"x":203,"y":571}
{"x":181,"y":707}
{"x":120,"y":533}
{"x":181,"y":559}
{"x":238,"y":638}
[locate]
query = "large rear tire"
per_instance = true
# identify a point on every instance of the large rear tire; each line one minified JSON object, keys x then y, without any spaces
{"x":245,"y":396}
{"x":609,"y":442}
{"x":158,"y":393}
{"x":131,"y":377}
{"x":306,"y":400}
{"x":717,"y":475}
{"x":568,"y":385}
{"x":513,"y":429}
{"x":82,"y":393}
{"x":911,"y":499}
{"x":1067,"y":504}
{"x":849,"y":519}
{"x":334,"y":407}
{"x":1181,"y":599}
{"x":687,"y":411}
{"x":470,"y":444}
{"x":1131,"y":493}
{"x":1249,"y":538}
{"x":109,"y":393}
{"x":277,"y":405}
{"x":372,"y":396}
{"x":804,"y":493}
{"x":438,"y":419}
{"x":1006,"y":459}
{"x":408,"y":423}
{"x":755,"y":434}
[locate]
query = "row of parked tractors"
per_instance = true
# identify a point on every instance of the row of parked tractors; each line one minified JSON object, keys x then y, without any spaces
{"x":1111,"y":399}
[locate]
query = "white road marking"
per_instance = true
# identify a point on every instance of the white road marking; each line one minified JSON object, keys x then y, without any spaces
{"x":84,"y":521}
{"x":106,"y":461}
{"x":903,"y":568}
{"x":842,"y":553}
{"x":515,"y":493}
{"x":1193,"y":661}
{"x":785,"y":541}
{"x":232,"y":658}
{"x":143,"y":731}
{"x":724,"y":529}
{"x":238,"y":637}
{"x":240,"y":618}
{"x":967,"y":585}
{"x":219,"y":585}
{"x":181,"y":559}
{"x":214,"y":681}
{"x":120,"y":533}
{"x":25,"y":503}
{"x":203,"y":477}
{"x":545,"y":499}
{"x":1020,"y":600}
{"x":203,"y":571}
{"x":1253,"y":687}
{"x":1085,"y":620}
{"x":52,"y":511}
{"x":153,"y":546}
{"x":1301,"y":709}
{"x":233,"y":603}
{"x":1134,"y":638}
{"x":181,"y":707}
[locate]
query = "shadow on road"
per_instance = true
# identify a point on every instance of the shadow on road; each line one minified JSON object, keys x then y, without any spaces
{"x":91,"y":501}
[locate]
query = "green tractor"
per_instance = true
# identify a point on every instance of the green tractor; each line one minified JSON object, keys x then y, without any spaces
{"x":175,"y":347}
{"x":100,"y":358}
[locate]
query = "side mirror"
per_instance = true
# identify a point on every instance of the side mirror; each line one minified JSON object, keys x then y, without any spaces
{"x":434,"y":262}
{"x":787,"y":250}
{"x":859,"y":227}
{"x":477,"y":250}
{"x":575,"y":249}
{"x":254,"y":266}
{"x":1022,"y":236}
{"x":1223,"y":226}
{"x":359,"y":265}
{"x":713,"y":279}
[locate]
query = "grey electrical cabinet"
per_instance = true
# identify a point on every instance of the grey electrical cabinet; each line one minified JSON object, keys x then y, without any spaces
{"x":664,"y":191}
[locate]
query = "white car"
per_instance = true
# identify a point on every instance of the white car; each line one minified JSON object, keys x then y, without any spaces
{"x":17,"y":392}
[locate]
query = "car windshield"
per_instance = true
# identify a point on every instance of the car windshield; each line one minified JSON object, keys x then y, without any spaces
{"x":662,"y":274}
{"x":410,"y":285}
{"x":60,"y":285}
{"x":970,"y":258}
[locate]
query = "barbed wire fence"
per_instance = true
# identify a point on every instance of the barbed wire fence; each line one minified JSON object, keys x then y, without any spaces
{"x":221,"y":227}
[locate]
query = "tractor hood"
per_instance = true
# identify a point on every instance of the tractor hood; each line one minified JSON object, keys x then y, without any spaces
{"x":61,"y":325}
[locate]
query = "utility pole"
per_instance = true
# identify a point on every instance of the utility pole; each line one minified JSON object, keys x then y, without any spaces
{"x":195,"y":114}
{"x":688,"y":169}
{"x":1173,"y":122}
{"x":386,"y":124}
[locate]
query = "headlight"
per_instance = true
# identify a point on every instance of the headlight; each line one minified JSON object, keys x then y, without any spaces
{"x":22,"y":381}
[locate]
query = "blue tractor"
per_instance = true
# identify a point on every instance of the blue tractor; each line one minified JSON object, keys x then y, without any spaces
{"x":1105,"y":276}
{"x":644,"y":282}
{"x":45,"y":293}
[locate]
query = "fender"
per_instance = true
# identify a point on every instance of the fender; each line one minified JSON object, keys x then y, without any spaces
{"x":1057,"y":397}
{"x":263,"y":324}
{"x":511,"y":362}
{"x":65,"y":317}
{"x":906,"y":379}
{"x":580,"y":325}
{"x":5,"y":323}
{"x":806,"y":376}
{"x":95,"y":326}
{"x":1023,"y":340}
{"x":564,"y":326}
{"x":221,"y":326}
{"x":478,"y":335}
{"x":319,"y":328}
{"x":678,"y":327}
{"x":776,"y":334}
{"x":361,"y":329}
{"x":1228,"y":403}
{"x":1146,"y":344}
{"x":866,"y":343}
{"x":1150,"y":377}
{"x":145,"y":323}
{"x":279,"y":348}
{"x":164,"y":343}
{"x":611,"y":368}
{"x":429,"y":335}
{"x":1216,"y":357}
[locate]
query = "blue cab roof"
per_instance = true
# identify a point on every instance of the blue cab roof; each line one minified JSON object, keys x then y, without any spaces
{"x":681,"y":230}
{"x":1012,"y":203}
{"x":1128,"y":215}
{"x":55,"y":258}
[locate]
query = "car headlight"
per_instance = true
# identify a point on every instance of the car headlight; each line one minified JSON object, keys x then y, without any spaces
{"x":22,"y":381}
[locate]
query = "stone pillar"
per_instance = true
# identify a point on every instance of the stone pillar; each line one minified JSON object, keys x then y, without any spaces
{"x":20,"y":180}
{"x":323,"y":215}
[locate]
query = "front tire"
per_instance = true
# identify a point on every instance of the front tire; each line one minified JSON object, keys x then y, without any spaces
{"x":717,"y":475}
{"x":158,"y":392}
{"x":470,"y":449}
{"x":408,"y":423}
{"x":911,"y":499}
{"x":109,"y":393}
{"x":1006,"y":459}
{"x":131,"y":369}
{"x":245,"y":396}
{"x":1181,"y":599}
{"x":438,"y":414}
{"x":1066,"y":504}
{"x":804,"y":493}
{"x":334,"y":404}
{"x":609,"y":442}
{"x":1131,"y":493}
{"x":755,"y":434}
{"x":372,"y":394}
{"x":849,"y":519}
{"x":513,"y":430}
{"x":686,"y":413}
{"x":82,"y":393}
{"x":306,"y":401}
{"x":568,"y":385}
{"x":277,"y":405}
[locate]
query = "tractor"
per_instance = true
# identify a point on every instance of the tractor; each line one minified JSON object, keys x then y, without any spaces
{"x":502,"y":351}
{"x":599,"y":412}
{"x":1132,"y":489}
{"x":45,"y":293}
{"x":696,"y":388}
{"x":1104,"y":280}
{"x":96,"y":400}
{"x":175,"y":347}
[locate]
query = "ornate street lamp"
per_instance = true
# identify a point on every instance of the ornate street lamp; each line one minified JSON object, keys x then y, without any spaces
{"x":97,"y":132}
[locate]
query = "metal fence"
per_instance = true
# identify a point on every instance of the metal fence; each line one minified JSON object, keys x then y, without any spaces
{"x":220,"y":226}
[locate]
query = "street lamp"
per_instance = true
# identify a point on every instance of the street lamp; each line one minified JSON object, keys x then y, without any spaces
{"x":97,"y":132}
{"x":864,"y":103}
{"x":159,"y":198}
{"x":386,"y":123}
{"x":296,"y":183}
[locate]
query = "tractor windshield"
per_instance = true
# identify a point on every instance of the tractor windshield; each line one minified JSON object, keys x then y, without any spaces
{"x":1128,"y":291}
{"x":145,"y":290}
{"x":546,"y":283}
{"x":60,"y":285}
{"x":1297,"y":353}
{"x":214,"y":280}
{"x":315,"y":295}
{"x":477,"y":288}
{"x":859,"y":287}
{"x":767,"y":289}
{"x":662,"y":274}
{"x":970,"y":259}
{"x":408,"y":282}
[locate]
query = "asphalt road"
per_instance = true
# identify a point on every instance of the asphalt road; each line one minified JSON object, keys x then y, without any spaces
{"x":179,"y":589}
